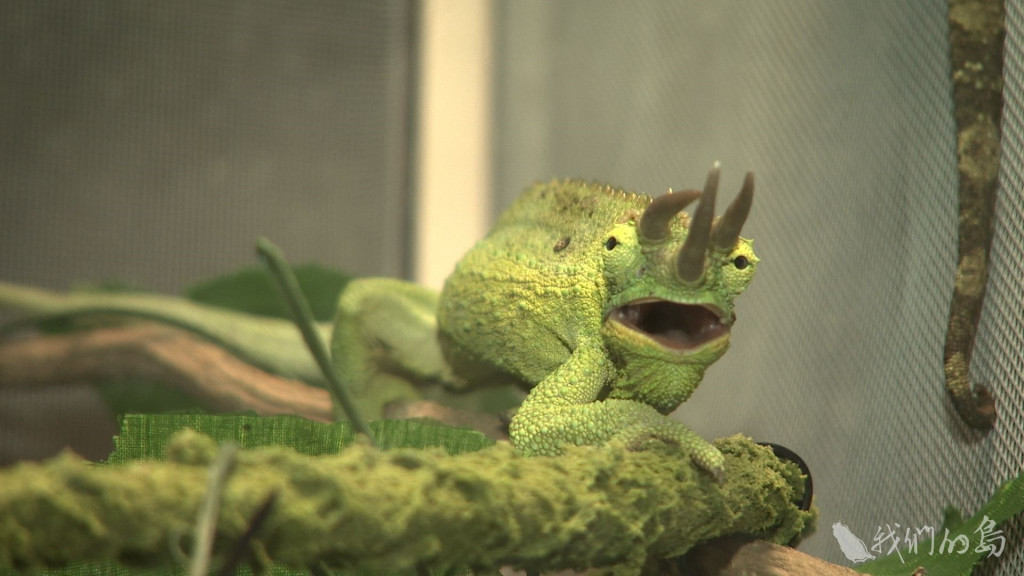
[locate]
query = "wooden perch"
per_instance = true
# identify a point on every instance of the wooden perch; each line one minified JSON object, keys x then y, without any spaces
{"x":369,"y":510}
{"x":170,"y":356}
{"x":217,"y":379}
{"x":737,"y":556}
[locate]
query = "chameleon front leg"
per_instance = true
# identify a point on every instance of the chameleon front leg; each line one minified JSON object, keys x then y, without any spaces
{"x":564,"y":409}
{"x":976,"y":42}
{"x":384,"y":345}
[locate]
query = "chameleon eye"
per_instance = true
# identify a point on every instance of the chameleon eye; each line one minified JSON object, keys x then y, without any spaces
{"x":611,"y":243}
{"x":740,"y":262}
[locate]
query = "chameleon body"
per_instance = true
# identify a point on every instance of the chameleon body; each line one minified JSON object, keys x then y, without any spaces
{"x":605,"y":305}
{"x":608,"y":306}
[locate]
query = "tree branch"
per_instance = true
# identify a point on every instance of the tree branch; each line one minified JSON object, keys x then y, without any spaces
{"x":369,"y":510}
{"x":738,"y":556}
{"x":162,"y":354}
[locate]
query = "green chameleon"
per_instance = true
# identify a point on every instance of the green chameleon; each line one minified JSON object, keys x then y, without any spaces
{"x":607,"y":306}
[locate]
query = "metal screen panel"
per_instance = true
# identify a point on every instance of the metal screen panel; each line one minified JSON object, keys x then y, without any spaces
{"x":844,"y":111}
{"x":152,"y":143}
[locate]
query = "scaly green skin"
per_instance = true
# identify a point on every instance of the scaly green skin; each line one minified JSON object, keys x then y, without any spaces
{"x":534,"y":304}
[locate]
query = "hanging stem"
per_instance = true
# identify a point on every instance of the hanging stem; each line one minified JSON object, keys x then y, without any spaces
{"x":283,"y":276}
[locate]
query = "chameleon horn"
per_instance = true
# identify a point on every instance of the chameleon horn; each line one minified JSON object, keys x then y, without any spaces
{"x":690,"y":262}
{"x":653,"y":225}
{"x":726,"y":231}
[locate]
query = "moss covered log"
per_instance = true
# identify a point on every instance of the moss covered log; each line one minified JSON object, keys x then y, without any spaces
{"x":372,"y":510}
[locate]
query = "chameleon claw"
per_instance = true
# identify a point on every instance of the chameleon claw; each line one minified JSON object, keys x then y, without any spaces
{"x":712,"y":462}
{"x":703,"y":454}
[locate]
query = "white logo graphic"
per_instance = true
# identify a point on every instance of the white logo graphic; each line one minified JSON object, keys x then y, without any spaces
{"x":853,"y":548}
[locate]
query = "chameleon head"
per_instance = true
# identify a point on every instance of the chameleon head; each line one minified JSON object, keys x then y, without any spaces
{"x":672,"y":285}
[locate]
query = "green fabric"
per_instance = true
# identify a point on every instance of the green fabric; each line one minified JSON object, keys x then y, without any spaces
{"x":145,"y":436}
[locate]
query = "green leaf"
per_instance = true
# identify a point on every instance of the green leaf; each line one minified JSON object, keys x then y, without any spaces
{"x":1007,"y":502}
{"x":134,"y":395}
{"x":251,"y":290}
{"x":61,"y":324}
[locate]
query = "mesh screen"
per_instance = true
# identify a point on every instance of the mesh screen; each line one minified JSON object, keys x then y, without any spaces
{"x":152,"y":143}
{"x":844,"y":111}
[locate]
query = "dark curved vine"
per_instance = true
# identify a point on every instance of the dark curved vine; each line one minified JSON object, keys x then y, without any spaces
{"x":976,"y":32}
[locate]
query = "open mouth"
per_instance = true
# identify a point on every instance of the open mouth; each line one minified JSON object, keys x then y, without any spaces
{"x":673,"y":325}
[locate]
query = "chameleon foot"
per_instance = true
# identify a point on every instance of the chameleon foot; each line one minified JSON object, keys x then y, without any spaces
{"x":702,"y":453}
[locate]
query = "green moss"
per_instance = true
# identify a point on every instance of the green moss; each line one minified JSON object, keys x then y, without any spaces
{"x":369,"y":510}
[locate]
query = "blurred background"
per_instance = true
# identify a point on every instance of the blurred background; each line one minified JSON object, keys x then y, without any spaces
{"x":150,"y":144}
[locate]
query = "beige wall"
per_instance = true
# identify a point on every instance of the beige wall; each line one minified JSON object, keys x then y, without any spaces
{"x":454,"y":147}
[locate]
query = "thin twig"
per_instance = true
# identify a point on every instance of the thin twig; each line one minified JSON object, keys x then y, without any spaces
{"x":206,"y":523}
{"x":320,"y":570}
{"x":285,"y":279}
{"x":241,"y":547}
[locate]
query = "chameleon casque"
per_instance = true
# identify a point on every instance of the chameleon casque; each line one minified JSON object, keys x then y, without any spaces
{"x":608,"y":306}
{"x":605,"y":305}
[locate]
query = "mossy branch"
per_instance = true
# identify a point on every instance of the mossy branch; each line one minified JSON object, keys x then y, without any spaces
{"x":401,"y":509}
